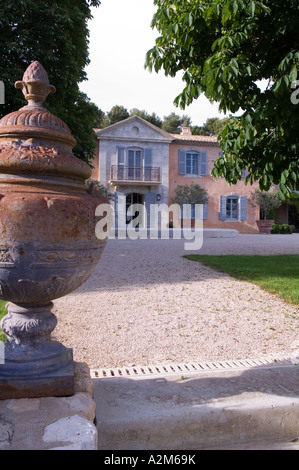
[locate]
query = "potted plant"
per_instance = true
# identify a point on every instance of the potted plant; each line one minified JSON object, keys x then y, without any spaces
{"x":189,"y":195}
{"x":267,"y":201}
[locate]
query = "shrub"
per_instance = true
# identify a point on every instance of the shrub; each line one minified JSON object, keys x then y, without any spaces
{"x":283,"y":228}
{"x":96,"y":185}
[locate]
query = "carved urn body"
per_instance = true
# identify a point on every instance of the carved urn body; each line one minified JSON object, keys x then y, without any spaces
{"x":48,"y":246}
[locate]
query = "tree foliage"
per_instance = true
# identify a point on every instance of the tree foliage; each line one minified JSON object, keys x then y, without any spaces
{"x":152,"y":118}
{"x":116,"y":114}
{"x":173,"y":123}
{"x":55,"y":33}
{"x":212,"y":126}
{"x":225,"y":48}
{"x":190,"y":194}
{"x":267,"y":201}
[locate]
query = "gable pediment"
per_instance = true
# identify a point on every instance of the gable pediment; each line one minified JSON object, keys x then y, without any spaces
{"x":134,"y":129}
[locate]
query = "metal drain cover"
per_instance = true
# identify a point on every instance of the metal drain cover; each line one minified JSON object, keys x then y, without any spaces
{"x":192,"y":367}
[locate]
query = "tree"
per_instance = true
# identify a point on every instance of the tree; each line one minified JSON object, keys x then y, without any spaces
{"x":100,"y":119}
{"x":225,"y":48}
{"x":190,"y":194}
{"x":212,"y":126}
{"x":267,"y":201}
{"x":116,"y":114}
{"x":55,"y":33}
{"x":173,"y":123}
{"x":152,"y":118}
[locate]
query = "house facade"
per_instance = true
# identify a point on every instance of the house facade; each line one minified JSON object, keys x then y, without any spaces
{"x":191,"y":160}
{"x":132,"y":162}
{"x":141,"y":164}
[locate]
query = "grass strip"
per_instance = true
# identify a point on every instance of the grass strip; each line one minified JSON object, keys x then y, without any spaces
{"x":277,"y":274}
{"x":3,"y":312}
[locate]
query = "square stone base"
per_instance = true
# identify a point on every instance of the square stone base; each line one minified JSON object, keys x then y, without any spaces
{"x":56,"y":384}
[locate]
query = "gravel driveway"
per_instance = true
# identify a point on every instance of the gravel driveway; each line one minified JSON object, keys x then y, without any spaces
{"x":146,"y":305}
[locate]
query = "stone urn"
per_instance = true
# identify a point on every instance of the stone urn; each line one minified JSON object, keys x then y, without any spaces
{"x":48,"y":246}
{"x":264,"y":226}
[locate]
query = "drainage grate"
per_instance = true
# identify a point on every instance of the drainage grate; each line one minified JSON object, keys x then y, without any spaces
{"x":185,"y":368}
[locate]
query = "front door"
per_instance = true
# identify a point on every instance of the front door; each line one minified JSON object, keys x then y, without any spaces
{"x":133,"y":198}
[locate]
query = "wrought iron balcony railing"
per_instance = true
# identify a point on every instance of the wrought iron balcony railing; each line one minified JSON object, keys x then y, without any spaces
{"x":140,"y":174}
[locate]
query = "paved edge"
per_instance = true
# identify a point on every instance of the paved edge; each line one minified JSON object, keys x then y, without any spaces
{"x":255,"y":408}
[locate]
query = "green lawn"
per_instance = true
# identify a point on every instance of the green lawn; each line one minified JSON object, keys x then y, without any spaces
{"x":2,"y":313}
{"x":278,"y":274}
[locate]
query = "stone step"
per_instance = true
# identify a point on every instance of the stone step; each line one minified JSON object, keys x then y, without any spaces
{"x":236,"y":408}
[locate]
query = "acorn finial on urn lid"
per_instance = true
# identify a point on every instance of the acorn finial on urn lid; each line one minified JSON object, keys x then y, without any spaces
{"x":35,"y":84}
{"x":34,"y":121}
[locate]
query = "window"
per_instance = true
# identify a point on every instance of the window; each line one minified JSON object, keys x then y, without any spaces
{"x":134,"y":157}
{"x":192,"y":163}
{"x":233,"y":208}
{"x":134,"y":163}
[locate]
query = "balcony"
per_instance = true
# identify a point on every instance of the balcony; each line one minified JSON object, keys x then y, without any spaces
{"x":127,"y":175}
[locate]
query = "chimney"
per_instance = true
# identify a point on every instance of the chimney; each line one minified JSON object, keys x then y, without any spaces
{"x":186,"y":131}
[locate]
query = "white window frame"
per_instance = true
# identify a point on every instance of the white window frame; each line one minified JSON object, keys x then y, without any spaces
{"x":228,"y":215}
{"x":241,"y":213}
{"x":194,"y":165}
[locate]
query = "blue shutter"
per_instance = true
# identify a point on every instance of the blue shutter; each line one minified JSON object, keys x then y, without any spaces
{"x":120,"y":156}
{"x":203,"y":163}
{"x":149,"y":199}
{"x":243,"y":207}
{"x":222,"y":208}
{"x":244,"y":173}
{"x":148,"y":156}
{"x":204,"y":211}
{"x":182,"y":162}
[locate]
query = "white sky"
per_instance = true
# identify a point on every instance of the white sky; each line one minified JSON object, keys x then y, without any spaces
{"x":120,"y":36}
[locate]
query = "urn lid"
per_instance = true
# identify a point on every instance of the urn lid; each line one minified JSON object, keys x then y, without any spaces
{"x":34,"y":140}
{"x":33,"y":120}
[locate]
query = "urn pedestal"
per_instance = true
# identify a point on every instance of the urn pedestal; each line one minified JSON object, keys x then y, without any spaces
{"x":48,"y":246}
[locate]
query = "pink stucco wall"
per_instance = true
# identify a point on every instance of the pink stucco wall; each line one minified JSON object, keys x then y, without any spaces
{"x":213,"y":188}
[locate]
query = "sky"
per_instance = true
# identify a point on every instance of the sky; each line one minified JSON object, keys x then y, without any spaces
{"x":120,"y":36}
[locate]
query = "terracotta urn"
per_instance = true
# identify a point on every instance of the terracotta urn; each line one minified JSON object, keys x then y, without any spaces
{"x":48,"y":246}
{"x":265,"y":226}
